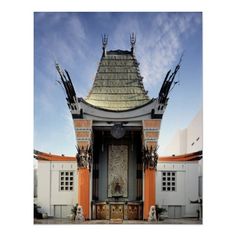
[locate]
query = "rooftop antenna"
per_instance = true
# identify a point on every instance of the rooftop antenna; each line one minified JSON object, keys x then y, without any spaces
{"x":104,"y":44}
{"x":132,"y":42}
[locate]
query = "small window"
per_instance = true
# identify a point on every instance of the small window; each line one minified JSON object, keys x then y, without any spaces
{"x":66,"y":183}
{"x":169,"y":183}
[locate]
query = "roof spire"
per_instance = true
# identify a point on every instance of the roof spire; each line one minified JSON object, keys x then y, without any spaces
{"x":104,"y":44}
{"x":132,"y":42}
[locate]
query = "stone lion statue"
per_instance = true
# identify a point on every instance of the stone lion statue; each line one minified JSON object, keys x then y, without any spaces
{"x":79,"y":214}
{"x":152,"y":214}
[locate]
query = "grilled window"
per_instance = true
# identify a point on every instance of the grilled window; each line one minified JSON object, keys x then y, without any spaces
{"x":169,"y":183}
{"x":66,"y":180}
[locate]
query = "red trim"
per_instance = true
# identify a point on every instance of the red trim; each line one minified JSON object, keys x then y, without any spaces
{"x":195,"y":156}
{"x":42,"y":156}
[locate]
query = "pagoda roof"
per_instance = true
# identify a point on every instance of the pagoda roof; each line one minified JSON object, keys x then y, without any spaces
{"x":118,"y":85}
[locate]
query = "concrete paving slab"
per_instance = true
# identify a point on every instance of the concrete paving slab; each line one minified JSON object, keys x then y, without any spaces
{"x":165,"y":221}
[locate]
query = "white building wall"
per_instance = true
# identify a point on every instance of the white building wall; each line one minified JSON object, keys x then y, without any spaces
{"x":164,"y":198}
{"x":191,"y":183}
{"x":50,"y":198}
{"x":195,"y":134}
{"x":187,"y":140}
{"x":44,"y":182}
{"x":186,"y":189}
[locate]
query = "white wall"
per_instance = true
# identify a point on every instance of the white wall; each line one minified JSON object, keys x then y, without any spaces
{"x":49,"y":193}
{"x":187,"y":140}
{"x":63,"y":197}
{"x":186,"y":189}
{"x":195,"y":134}
{"x":44,"y":181}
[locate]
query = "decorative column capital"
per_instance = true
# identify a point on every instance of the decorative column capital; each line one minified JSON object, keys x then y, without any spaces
{"x":150,"y":158}
{"x":84,"y":157}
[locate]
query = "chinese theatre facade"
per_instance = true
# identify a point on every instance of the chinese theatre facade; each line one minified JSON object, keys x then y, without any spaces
{"x":117,"y":127}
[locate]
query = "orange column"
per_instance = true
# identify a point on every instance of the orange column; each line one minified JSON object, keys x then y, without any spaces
{"x":83,"y":131}
{"x":149,"y":191}
{"x":151,"y":129}
{"x":83,"y":190}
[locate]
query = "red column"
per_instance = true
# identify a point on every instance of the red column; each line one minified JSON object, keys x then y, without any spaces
{"x":151,"y":130}
{"x":83,"y":190}
{"x":83,"y":131}
{"x":149,"y":191}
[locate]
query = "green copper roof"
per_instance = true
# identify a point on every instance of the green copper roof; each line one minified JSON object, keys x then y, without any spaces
{"x":118,"y":84}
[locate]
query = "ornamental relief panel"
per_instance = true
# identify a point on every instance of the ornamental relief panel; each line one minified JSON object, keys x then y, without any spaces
{"x":118,"y":171}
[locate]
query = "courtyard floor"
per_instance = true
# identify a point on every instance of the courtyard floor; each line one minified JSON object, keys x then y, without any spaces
{"x":165,"y":221}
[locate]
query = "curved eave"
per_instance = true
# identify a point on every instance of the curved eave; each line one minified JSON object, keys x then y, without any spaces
{"x":109,"y":110}
{"x":99,"y":114}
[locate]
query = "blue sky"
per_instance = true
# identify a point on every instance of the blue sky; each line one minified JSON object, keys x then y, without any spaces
{"x":74,"y":40}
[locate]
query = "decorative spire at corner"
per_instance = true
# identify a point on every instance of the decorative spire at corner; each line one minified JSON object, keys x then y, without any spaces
{"x":67,"y":84}
{"x":166,"y":86}
{"x":132,"y":42}
{"x":104,"y":44}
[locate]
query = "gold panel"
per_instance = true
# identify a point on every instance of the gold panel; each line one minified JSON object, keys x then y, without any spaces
{"x":133,"y":211}
{"x":101,"y":212}
{"x":117,"y":211}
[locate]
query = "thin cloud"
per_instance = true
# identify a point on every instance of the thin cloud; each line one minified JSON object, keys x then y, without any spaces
{"x":159,"y":41}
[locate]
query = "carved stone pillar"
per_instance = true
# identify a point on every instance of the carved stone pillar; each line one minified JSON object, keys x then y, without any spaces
{"x":83,"y":130}
{"x":150,"y":139}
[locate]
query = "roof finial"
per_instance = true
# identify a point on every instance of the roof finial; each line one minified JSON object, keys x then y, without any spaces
{"x":104,"y":44}
{"x":132,"y":42}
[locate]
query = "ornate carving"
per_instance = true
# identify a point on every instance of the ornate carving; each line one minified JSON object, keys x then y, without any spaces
{"x":150,"y":158}
{"x":84,"y":157}
{"x":117,"y":131}
{"x":118,"y":171}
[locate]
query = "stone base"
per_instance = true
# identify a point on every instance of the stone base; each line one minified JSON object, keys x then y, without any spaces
{"x":116,"y":221}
